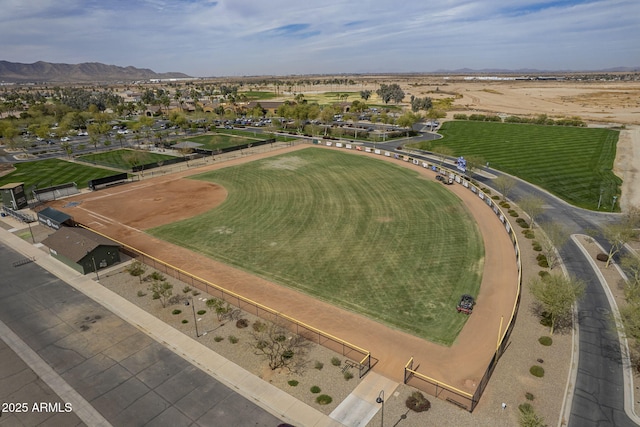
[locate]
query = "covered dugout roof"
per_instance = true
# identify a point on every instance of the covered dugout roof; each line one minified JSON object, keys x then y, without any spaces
{"x":53,"y":218}
{"x":74,"y":242}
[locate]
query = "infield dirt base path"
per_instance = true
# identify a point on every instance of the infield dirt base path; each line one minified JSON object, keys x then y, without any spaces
{"x":123,"y":212}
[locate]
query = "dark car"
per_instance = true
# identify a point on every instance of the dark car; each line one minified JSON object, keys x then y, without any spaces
{"x":466,"y":304}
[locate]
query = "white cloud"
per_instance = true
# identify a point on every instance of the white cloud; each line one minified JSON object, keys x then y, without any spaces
{"x":228,"y":37}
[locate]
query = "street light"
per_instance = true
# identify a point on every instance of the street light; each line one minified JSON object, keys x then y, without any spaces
{"x":614,"y":203}
{"x":380,"y":399}
{"x":193,"y":308}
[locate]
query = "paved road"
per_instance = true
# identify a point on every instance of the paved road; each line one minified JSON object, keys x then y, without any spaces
{"x":126,"y":376}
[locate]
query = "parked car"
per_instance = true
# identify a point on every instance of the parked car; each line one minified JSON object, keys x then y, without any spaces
{"x":65,"y":139}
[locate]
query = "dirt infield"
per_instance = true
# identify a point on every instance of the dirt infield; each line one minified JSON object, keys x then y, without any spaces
{"x":123,"y":213}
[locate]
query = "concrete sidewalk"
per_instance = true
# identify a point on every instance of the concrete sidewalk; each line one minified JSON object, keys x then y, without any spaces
{"x":263,"y":394}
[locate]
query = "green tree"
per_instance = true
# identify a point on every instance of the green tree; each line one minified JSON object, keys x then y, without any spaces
{"x":620,"y":233}
{"x":67,"y":148}
{"x":556,"y":294}
{"x":221,"y":307}
{"x":160,"y":288}
{"x":556,"y":237}
{"x":137,"y":269}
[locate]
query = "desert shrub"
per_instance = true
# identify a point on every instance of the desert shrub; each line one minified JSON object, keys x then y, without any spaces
{"x":185,"y":321}
{"x":602,"y":257}
{"x":242,"y":323}
{"x":505,"y":205}
{"x":460,"y":117}
{"x":529,"y":234}
{"x":348,"y":375}
{"x":513,"y":213}
{"x":542,"y":261}
{"x":141,"y":294}
{"x":529,"y":396}
{"x":176,"y":311}
{"x":417,"y":402}
{"x":186,"y":289}
{"x":233,"y":339}
{"x":537,"y":371}
{"x":287,"y":354}
{"x":201,"y":312}
{"x":319,"y":365}
{"x":528,"y":417}
{"x":258,"y":326}
{"x":218,"y":338}
{"x":522,"y":223}
{"x":293,"y":383}
{"x":546,"y":341}
{"x":545,"y":319}
{"x":315,"y":389}
{"x":543,"y":274}
{"x":335,"y":361}
{"x":495,"y":197}
{"x":536,"y":246}
{"x":195,"y":292}
{"x":323,"y":399}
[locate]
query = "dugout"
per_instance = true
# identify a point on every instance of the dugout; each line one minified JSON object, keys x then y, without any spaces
{"x":53,"y":218}
{"x":82,"y":250}
{"x":13,"y":196}
{"x":107,"y":181}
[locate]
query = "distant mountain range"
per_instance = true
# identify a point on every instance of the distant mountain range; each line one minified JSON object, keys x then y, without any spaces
{"x":15,"y":72}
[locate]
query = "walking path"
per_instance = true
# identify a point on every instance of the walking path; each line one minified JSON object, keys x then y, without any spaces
{"x":268,"y":397}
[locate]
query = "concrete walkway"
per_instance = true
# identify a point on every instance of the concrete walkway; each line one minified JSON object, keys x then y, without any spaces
{"x":356,"y":410}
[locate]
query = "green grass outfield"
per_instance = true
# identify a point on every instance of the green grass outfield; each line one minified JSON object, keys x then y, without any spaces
{"x":45,"y":173}
{"x":360,"y":233}
{"x":121,"y":159}
{"x":572,"y":163}
{"x":217,"y":141}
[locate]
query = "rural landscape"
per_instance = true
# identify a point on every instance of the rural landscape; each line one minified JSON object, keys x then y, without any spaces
{"x":380,"y":224}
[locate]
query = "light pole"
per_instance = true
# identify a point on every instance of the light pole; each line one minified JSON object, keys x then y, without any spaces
{"x":380,"y":399}
{"x":94,"y":268}
{"x":600,"y":199}
{"x":614,"y":203}
{"x":193,"y":309}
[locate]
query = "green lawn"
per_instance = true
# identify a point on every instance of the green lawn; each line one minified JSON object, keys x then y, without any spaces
{"x":573,"y":163}
{"x":360,"y":233}
{"x":124,"y":159}
{"x":229,"y":138}
{"x":50,"y":172}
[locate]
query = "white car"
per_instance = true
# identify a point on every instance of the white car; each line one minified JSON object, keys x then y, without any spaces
{"x":65,"y":139}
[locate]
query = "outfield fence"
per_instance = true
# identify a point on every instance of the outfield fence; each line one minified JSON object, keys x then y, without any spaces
{"x":451,"y":394}
{"x":361,"y":358}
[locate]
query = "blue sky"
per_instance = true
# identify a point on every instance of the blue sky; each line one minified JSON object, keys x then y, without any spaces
{"x":281,"y":37}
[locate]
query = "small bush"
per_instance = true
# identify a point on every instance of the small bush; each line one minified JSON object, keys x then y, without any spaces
{"x":141,"y":294}
{"x":417,"y":402}
{"x":336,"y":361}
{"x":495,"y":197}
{"x":315,"y":389}
{"x":513,"y":213}
{"x":602,"y":257}
{"x":546,"y":341}
{"x":233,"y":339}
{"x":348,"y":375}
{"x":528,"y":417}
{"x":201,"y":312}
{"x":293,"y":383}
{"x":186,"y":289}
{"x":185,"y":321}
{"x":536,"y":246}
{"x":242,"y":323}
{"x":195,"y":292}
{"x":545,"y":319}
{"x":542,"y":261}
{"x":529,"y":396}
{"x":218,"y":338}
{"x":505,"y":205}
{"x":323,"y":399}
{"x":537,"y":371}
{"x":287,"y":354}
{"x":176,"y":311}
{"x":529,"y":234}
{"x":258,"y":326}
{"x":543,"y":274}
{"x":522,"y":223}
{"x":319,"y":365}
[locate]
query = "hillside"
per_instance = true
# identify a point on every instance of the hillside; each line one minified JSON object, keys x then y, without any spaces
{"x":86,"y":72}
